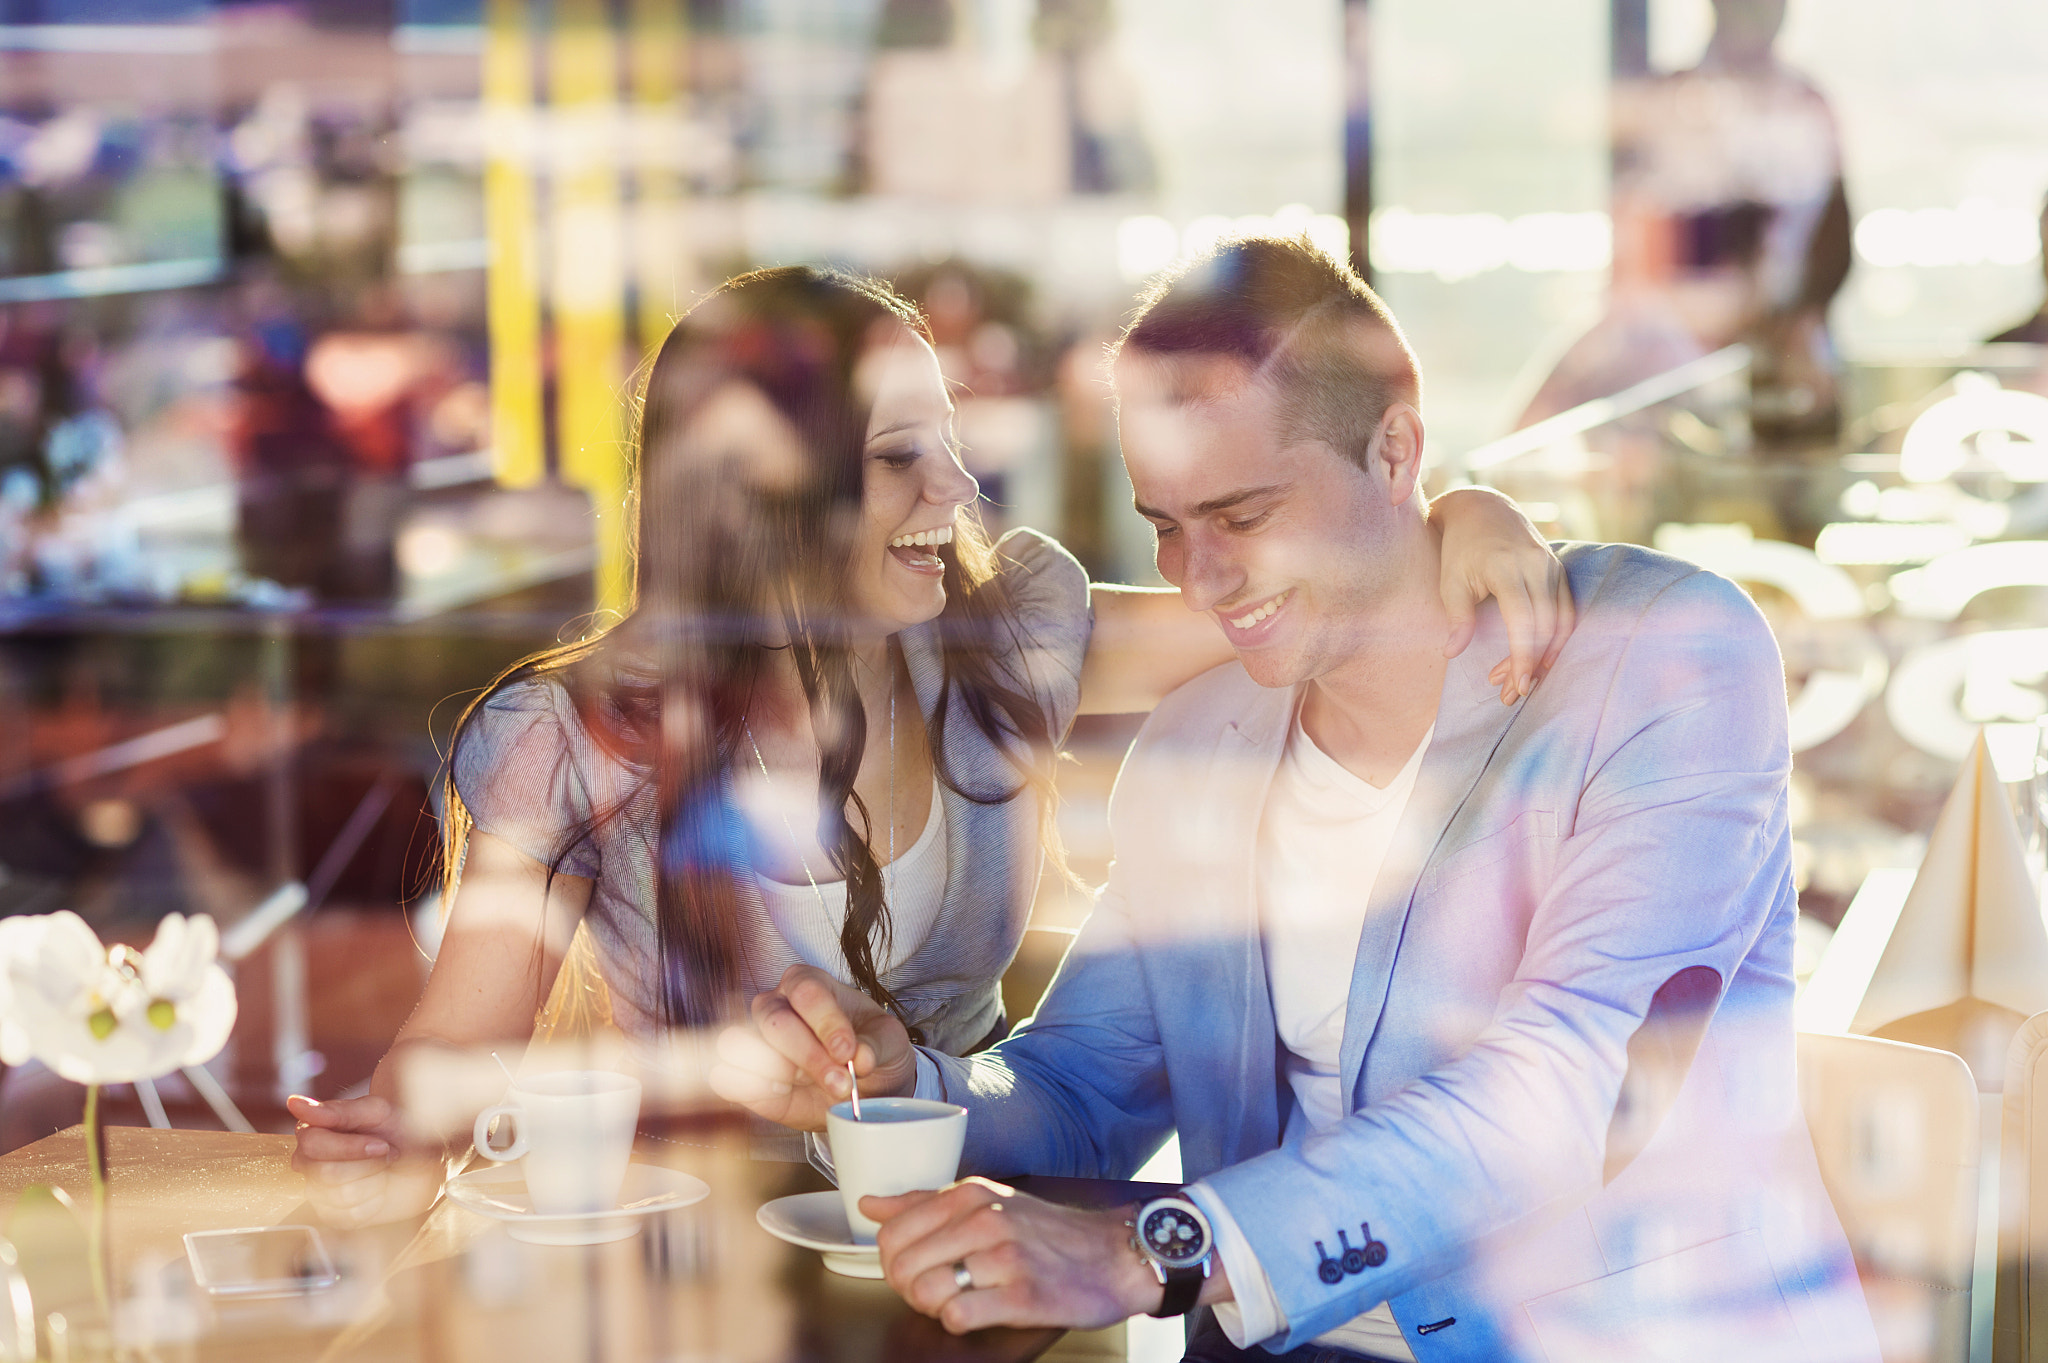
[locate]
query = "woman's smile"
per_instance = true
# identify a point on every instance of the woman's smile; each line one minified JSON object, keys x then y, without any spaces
{"x":918,"y":550}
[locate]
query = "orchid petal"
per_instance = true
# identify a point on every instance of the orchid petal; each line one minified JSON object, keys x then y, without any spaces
{"x":210,"y":1013}
{"x":14,"y":1044}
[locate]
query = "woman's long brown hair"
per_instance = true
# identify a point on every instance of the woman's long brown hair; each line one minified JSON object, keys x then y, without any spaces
{"x":739,"y":543}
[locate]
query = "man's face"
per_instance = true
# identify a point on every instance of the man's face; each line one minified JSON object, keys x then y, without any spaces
{"x":1285,"y":543}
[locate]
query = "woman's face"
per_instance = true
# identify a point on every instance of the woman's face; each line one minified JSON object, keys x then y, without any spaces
{"x":912,"y":487}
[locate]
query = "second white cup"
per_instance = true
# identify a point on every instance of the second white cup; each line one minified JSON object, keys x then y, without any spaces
{"x":900,"y":1145}
{"x":572,"y":1133}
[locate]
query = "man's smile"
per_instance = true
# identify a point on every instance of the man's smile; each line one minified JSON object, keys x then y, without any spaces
{"x":1244,"y":626}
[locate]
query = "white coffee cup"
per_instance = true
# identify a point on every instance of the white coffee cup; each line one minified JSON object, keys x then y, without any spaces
{"x":572,"y":1133}
{"x":900,"y":1145}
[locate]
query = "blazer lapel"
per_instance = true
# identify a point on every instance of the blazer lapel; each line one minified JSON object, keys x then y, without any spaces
{"x":1247,"y":755}
{"x":1470,"y":724}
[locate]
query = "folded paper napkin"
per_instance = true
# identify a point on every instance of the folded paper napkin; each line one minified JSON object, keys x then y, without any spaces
{"x":1967,"y":961}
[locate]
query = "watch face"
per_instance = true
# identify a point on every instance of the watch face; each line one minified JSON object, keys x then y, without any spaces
{"x":1174,"y":1234}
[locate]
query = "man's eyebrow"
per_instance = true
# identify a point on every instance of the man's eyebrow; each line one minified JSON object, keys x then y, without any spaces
{"x":1237,"y":498}
{"x":1214,"y":504}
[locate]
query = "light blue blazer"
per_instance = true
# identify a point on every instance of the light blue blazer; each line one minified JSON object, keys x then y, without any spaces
{"x":1569,"y":1033}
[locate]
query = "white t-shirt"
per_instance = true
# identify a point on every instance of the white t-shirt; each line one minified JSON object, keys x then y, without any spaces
{"x":1322,"y":839}
{"x":913,"y":885}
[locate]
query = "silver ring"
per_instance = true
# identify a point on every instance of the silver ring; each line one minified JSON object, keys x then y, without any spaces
{"x":962,"y":1278}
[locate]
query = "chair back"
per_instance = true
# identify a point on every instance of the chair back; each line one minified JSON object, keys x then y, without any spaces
{"x":2020,"y":1321}
{"x":1895,"y":1128}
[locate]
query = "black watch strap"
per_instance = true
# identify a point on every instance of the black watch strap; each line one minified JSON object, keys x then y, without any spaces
{"x":1183,"y":1285}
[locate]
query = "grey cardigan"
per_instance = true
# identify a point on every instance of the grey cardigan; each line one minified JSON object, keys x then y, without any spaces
{"x":530,"y":774}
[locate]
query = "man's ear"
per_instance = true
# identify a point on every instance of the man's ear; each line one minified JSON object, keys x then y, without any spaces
{"x":1400,"y":450}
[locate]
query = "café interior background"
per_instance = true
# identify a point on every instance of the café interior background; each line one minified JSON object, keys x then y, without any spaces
{"x":318,"y":320}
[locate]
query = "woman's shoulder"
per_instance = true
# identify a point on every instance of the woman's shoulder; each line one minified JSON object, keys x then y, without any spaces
{"x":1046,"y":584}
{"x":529,"y":773}
{"x":535,"y":693}
{"x":532,"y":711}
{"x":1047,"y":590}
{"x":532,"y":725}
{"x":513,"y":725}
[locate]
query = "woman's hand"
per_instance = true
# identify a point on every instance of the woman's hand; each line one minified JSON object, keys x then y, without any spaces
{"x":349,"y":1152}
{"x":1491,"y":549}
{"x":790,"y":1066}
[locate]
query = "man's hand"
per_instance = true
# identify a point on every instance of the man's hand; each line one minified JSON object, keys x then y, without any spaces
{"x":979,"y":1254}
{"x":790,"y":1066}
{"x":350,"y":1154}
{"x":1491,"y":549}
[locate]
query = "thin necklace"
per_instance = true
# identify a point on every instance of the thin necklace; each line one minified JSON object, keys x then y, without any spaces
{"x":790,"y":829}
{"x":892,"y":762}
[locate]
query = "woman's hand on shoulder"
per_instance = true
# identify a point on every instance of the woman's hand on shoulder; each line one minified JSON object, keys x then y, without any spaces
{"x":789,"y":1066}
{"x":1491,"y":549}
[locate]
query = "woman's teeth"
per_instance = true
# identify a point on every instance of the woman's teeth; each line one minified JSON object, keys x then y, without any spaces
{"x":1247,"y":621}
{"x":942,"y":535}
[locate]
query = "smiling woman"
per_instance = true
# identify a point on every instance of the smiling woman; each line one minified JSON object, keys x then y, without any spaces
{"x":822,"y":738}
{"x":798,"y":469}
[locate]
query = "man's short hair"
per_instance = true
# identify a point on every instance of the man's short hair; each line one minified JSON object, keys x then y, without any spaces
{"x":1295,"y":318}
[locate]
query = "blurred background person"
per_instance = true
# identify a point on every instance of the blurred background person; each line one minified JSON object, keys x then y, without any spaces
{"x":63,"y":471}
{"x":292,"y":472}
{"x":1730,"y":224}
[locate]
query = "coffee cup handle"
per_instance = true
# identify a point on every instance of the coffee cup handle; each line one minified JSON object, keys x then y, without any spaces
{"x":482,"y":1133}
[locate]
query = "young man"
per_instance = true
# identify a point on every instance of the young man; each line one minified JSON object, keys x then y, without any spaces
{"x":1475,"y":1021}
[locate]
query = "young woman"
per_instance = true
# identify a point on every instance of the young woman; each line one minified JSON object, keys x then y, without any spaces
{"x":824,"y":734}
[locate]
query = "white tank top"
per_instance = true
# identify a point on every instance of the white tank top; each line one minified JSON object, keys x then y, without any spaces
{"x":913,"y":885}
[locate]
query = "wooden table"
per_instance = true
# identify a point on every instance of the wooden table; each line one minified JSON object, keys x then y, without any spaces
{"x":700,"y":1284}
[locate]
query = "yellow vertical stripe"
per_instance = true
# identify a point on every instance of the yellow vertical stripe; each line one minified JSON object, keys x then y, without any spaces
{"x":589,"y":280}
{"x":661,"y":273}
{"x":518,"y":450}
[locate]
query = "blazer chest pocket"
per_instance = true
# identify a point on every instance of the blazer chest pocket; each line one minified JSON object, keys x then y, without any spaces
{"x":1711,"y":1303}
{"x":1512,"y":844}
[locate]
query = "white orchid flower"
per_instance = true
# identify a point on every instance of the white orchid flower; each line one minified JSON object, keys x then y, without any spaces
{"x":184,"y":995}
{"x":110,"y":1017}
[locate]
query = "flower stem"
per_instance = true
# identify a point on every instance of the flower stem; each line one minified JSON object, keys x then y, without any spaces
{"x":96,"y":1165}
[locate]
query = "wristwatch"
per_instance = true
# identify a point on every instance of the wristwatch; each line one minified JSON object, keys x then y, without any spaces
{"x":1171,"y":1234}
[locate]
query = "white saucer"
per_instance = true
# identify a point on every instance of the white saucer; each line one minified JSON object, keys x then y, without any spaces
{"x":498,"y":1191}
{"x":818,"y":1221}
